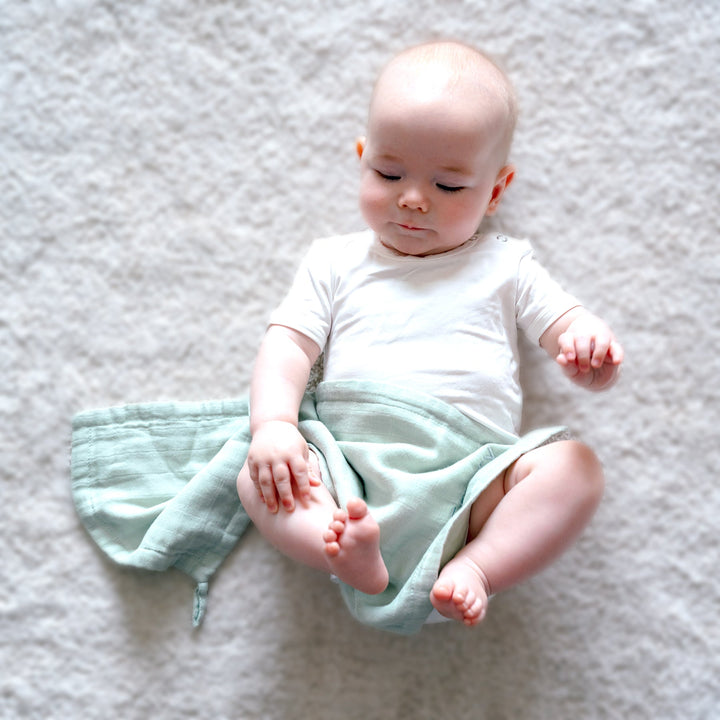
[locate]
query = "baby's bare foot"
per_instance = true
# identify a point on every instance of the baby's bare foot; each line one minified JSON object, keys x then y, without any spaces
{"x":461,"y":592}
{"x":352,"y":545}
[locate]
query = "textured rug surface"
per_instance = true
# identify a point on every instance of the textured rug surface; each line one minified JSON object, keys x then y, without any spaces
{"x":163,"y":168}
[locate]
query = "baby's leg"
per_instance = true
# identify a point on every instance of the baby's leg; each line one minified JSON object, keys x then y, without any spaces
{"x":523,"y":521}
{"x":353,"y":554}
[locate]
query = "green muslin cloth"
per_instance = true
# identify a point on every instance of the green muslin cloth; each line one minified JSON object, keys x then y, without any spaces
{"x":154,"y":484}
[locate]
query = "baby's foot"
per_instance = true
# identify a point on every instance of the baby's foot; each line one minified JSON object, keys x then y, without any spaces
{"x":352,"y":545}
{"x":461,"y":592}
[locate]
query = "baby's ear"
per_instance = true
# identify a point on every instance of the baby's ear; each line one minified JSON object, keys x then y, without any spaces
{"x":360,"y":145}
{"x":502,"y":182}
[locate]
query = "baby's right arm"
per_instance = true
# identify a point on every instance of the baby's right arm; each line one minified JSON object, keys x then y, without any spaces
{"x":278,"y":455}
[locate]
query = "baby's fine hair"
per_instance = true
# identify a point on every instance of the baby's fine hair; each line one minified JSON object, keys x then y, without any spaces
{"x":466,"y":61}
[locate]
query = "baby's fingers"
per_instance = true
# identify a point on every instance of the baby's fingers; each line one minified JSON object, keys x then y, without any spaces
{"x":314,"y":474}
{"x":584,"y":351}
{"x":566,"y":346}
{"x":263,"y":479}
{"x":616,"y":352}
{"x":301,"y":475}
{"x":600,"y":347}
{"x":575,"y":349}
{"x":283,"y":484}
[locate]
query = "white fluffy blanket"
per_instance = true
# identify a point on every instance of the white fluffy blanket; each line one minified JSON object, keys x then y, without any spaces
{"x":164,"y":165}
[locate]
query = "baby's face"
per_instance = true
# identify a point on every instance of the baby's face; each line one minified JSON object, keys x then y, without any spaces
{"x":429,"y":166}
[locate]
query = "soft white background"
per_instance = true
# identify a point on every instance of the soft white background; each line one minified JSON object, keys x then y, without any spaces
{"x":164,"y":166}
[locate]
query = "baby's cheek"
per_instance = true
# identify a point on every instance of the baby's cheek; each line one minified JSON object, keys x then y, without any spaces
{"x":466,"y":218}
{"x":373,"y":204}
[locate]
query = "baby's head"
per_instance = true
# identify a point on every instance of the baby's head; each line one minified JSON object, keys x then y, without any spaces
{"x":434,"y":161}
{"x":454,"y":73}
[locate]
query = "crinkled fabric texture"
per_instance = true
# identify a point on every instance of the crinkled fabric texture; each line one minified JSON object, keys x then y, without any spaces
{"x":155,"y":484}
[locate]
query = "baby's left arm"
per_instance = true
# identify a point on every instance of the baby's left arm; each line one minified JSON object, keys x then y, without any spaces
{"x":585,"y":347}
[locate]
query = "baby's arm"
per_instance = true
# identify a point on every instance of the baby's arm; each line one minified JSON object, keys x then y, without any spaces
{"x":585,"y":347}
{"x":278,"y":455}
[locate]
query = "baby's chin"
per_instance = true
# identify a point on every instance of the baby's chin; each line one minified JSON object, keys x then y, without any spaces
{"x":416,"y":242}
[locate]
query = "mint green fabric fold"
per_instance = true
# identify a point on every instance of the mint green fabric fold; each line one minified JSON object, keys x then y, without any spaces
{"x":155,"y":484}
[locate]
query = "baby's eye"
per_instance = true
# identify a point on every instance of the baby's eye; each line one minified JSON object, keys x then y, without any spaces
{"x":387,"y":176}
{"x":450,"y":188}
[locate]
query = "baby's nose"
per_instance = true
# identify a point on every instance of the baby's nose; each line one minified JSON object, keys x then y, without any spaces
{"x":414,"y":199}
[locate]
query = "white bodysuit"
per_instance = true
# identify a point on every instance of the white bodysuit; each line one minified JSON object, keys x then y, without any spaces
{"x":443,"y":324}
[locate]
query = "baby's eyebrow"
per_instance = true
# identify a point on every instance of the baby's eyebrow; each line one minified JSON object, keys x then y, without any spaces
{"x":389,"y":158}
{"x":455,"y":170}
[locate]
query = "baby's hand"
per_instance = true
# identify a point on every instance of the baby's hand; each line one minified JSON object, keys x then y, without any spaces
{"x":278,"y":464}
{"x":589,"y":353}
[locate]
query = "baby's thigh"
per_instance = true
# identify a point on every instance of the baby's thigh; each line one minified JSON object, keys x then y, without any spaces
{"x":565,"y":462}
{"x":565,"y":475}
{"x":246,"y":488}
{"x":485,"y":504}
{"x":567,"y":468}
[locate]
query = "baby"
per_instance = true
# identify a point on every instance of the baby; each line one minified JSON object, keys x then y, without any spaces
{"x":427,"y":301}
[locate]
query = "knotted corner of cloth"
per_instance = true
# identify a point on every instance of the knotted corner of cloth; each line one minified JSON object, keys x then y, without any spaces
{"x":155,"y":485}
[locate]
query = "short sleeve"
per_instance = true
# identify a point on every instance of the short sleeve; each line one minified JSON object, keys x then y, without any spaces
{"x":540,"y":300}
{"x":307,"y":307}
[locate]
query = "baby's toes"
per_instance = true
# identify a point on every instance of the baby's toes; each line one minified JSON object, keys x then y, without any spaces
{"x":330,"y":536}
{"x":332,"y":546}
{"x":443,"y":591}
{"x":340,"y":516}
{"x":475,"y":613}
{"x":332,"y":549}
{"x":468,"y":600}
{"x":459,"y":597}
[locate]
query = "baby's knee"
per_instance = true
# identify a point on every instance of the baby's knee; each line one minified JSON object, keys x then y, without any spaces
{"x":571,"y":467}
{"x":245,"y":487}
{"x":584,"y":470}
